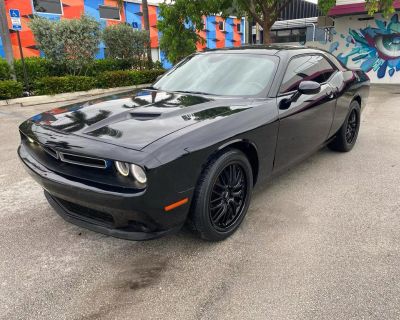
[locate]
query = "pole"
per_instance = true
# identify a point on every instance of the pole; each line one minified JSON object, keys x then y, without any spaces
{"x":5,"y":36}
{"x":26,"y":80}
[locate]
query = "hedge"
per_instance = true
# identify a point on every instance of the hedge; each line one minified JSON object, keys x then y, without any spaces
{"x":10,"y":89}
{"x":112,"y":79}
{"x":54,"y":85}
{"x":5,"y":70}
{"x":41,"y":67}
{"x":109,"y":79}
{"x":37,"y":68}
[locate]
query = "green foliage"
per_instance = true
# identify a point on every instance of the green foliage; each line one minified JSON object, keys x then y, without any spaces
{"x":326,"y":5}
{"x":5,"y":70}
{"x":54,"y":85}
{"x":373,"y":6}
{"x":384,"y":6}
{"x":180,"y":23}
{"x":37,"y":68}
{"x":112,"y":79}
{"x":123,"y":42}
{"x":10,"y":89}
{"x":108,"y":79}
{"x":182,"y":20}
{"x":69,"y":42}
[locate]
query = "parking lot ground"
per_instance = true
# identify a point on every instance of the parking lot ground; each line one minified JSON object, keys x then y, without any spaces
{"x":321,"y":241}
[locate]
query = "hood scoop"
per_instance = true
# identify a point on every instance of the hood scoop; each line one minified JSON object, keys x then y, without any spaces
{"x":144,"y":116}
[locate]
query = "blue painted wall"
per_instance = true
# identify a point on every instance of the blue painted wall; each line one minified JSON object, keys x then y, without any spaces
{"x":2,"y":53}
{"x":92,"y":9}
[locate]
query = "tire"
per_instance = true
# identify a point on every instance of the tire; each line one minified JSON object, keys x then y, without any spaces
{"x":220,"y":203}
{"x":345,"y":140}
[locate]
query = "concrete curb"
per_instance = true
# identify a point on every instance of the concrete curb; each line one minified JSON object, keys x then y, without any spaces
{"x":65,"y":97}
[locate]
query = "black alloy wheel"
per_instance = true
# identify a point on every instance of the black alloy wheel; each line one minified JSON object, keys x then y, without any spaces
{"x":351,"y":129}
{"x":346,"y":137}
{"x":227,"y":197}
{"x":222,"y":196}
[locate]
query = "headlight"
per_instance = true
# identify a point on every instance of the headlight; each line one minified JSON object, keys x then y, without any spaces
{"x":30,"y":139}
{"x":123,"y":168}
{"x":138,"y":174}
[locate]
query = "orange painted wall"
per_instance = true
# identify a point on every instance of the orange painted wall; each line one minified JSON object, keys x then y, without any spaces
{"x":73,"y":8}
{"x":236,"y":34}
{"x":27,"y":39}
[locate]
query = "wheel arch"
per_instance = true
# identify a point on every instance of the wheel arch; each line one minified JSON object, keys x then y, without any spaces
{"x":248,"y":148}
{"x":357,"y":98}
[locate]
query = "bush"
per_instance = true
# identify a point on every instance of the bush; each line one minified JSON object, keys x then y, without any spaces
{"x":99,"y":66}
{"x":123,"y":42}
{"x":54,"y":85}
{"x":108,"y":79}
{"x":36,"y":68}
{"x":10,"y":89}
{"x":69,"y":42}
{"x":5,"y":70}
{"x":112,"y":79}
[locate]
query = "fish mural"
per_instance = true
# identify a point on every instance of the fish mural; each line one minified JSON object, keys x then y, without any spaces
{"x":374,"y":49}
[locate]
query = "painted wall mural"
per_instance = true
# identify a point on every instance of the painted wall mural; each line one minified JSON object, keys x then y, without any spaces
{"x":376,"y":49}
{"x":372,"y":45}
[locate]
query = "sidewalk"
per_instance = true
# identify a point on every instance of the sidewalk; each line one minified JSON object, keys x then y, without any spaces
{"x":67,"y":97}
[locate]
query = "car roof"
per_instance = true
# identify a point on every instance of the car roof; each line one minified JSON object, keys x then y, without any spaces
{"x":276,"y":50}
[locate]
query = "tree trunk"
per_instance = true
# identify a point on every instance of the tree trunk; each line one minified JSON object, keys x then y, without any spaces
{"x":266,"y":29}
{"x":145,"y":9}
{"x":5,"y":36}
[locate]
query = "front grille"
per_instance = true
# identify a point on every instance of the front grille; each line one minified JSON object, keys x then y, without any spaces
{"x":83,"y":160}
{"x":85,"y":212}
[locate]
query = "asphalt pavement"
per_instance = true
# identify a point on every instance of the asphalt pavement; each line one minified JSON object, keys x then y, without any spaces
{"x":321,"y":241}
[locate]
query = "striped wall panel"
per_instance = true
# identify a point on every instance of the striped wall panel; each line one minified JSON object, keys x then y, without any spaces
{"x":131,"y":13}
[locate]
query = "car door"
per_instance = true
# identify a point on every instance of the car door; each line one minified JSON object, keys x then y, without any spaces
{"x":304,"y":124}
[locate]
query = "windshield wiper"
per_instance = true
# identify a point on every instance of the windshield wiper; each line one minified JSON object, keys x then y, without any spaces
{"x":194,"y":92}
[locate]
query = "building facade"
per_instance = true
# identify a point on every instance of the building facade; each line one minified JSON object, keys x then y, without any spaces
{"x":296,"y":23}
{"x":219,"y":32}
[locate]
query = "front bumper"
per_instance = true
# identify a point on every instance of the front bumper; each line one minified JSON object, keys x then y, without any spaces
{"x":132,"y":216}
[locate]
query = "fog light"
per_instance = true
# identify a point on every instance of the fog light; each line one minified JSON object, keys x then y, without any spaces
{"x":138,"y":174}
{"x":122,"y":167}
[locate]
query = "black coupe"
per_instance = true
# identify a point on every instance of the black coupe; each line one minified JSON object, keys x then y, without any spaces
{"x":191,"y":147}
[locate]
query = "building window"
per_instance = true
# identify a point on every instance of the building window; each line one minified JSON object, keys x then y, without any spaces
{"x":110,"y":13}
{"x":221,"y":26}
{"x":239,"y":27}
{"x":48,"y":6}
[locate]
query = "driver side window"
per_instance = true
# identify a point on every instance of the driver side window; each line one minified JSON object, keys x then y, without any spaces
{"x":310,"y":68}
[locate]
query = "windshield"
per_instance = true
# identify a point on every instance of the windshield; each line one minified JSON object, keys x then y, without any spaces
{"x":221,"y":74}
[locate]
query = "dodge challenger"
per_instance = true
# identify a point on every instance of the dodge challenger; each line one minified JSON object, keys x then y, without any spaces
{"x":190,"y":148}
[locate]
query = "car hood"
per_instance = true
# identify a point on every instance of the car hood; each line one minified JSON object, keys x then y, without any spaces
{"x":135,"y":120}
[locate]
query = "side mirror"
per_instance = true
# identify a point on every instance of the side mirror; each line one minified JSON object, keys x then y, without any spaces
{"x":309,"y":87}
{"x":305,"y":87}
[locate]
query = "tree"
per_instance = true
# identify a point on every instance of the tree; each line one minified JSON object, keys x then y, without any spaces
{"x":372,"y":6}
{"x":264,"y":12}
{"x":123,"y":42}
{"x":73,"y":43}
{"x":182,"y":20}
{"x":181,"y":23}
{"x":146,"y":20}
{"x":145,"y":9}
